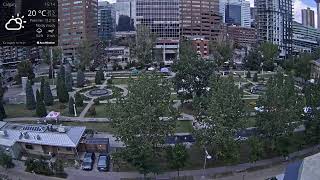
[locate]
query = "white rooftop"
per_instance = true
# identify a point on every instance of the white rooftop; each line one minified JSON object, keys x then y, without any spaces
{"x":69,"y":136}
{"x":310,"y":168}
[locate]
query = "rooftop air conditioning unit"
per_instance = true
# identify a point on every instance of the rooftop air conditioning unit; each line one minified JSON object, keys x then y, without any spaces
{"x":4,"y":133}
{"x":61,"y":129}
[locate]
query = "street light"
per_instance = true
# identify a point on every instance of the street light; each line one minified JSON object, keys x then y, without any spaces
{"x":75,"y":110}
{"x":207,"y":156}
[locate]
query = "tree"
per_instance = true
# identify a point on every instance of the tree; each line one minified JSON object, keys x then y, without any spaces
{"x":222,"y":52}
{"x":40,"y":107}
{"x":62,"y":92}
{"x":51,"y":73}
{"x":70,"y":106}
{"x":256,"y":149}
{"x":221,"y":118}
{"x":69,"y":81}
{"x":282,"y":109}
{"x":42,"y":87}
{"x":62,"y":73}
{"x":56,"y":55}
{"x":6,"y":160}
{"x":255,"y":77}
{"x":47,"y":94}
{"x":269,"y":53}
{"x":25,"y":69}
{"x":101,"y":74}
{"x":125,"y":23}
{"x":30,"y":101}
{"x":312,"y":95}
{"x":177,"y":157}
{"x":78,"y":99}
{"x":248,"y":75}
{"x":80,"y":79}
{"x":192,"y":73}
{"x":145,"y":42}
{"x":98,"y":79}
{"x":141,"y":125}
{"x":253,"y":60}
{"x":92,"y":111}
{"x":299,"y":66}
{"x":85,"y":53}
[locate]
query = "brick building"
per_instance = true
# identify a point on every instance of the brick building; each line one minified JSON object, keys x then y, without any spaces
{"x":243,"y":36}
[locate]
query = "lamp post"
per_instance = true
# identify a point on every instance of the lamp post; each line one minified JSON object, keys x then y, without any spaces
{"x":75,"y":110}
{"x":206,"y":156}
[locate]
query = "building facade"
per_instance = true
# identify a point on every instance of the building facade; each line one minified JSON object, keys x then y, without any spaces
{"x":307,"y":17}
{"x":201,"y":18}
{"x":162,"y":17}
{"x":274,"y":23}
{"x":78,"y":22}
{"x":236,"y":12}
{"x":243,"y":36}
{"x":126,"y":8}
{"x":305,"y":38}
{"x":202,"y":46}
{"x":106,"y":24}
{"x":315,"y":69}
{"x":318,"y":13}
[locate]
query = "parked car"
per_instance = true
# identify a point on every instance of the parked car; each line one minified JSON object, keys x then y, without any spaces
{"x":103,"y":162}
{"x":88,"y":161}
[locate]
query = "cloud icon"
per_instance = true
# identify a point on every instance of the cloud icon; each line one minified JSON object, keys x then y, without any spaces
{"x":15,"y":24}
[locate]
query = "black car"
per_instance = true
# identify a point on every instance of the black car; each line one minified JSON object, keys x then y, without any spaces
{"x":103,"y":162}
{"x":88,"y":161}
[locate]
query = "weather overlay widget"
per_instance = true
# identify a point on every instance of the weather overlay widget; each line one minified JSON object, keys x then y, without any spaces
{"x":28,"y":22}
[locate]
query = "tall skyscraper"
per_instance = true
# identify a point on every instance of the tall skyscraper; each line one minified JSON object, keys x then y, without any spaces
{"x":163,"y":19}
{"x":106,"y":26}
{"x":318,"y":12}
{"x":200,"y":18}
{"x":126,"y":8}
{"x":77,"y":22}
{"x":307,"y":17}
{"x":274,"y":23}
{"x":236,"y":12}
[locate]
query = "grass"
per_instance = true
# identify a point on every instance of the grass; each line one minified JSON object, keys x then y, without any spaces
{"x":120,"y":81}
{"x":101,"y":111}
{"x":63,"y":108}
{"x":18,"y":110}
{"x":184,"y":127}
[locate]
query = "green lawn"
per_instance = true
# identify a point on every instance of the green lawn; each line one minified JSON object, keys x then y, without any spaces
{"x":184,"y":127}
{"x":100,"y":110}
{"x":18,"y":110}
{"x":120,"y":81}
{"x":63,"y":108}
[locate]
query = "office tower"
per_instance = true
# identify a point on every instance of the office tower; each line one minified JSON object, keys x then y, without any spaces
{"x":307,"y":17}
{"x":163,"y":19}
{"x":305,"y":38}
{"x":106,"y":25}
{"x":77,"y":23}
{"x":126,"y":8}
{"x":318,"y":13}
{"x":243,"y":36}
{"x":274,"y":23}
{"x":201,"y":18}
{"x":236,"y":12}
{"x":253,"y":13}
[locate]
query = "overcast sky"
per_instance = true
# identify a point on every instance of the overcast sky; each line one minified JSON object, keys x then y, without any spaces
{"x":298,"y":5}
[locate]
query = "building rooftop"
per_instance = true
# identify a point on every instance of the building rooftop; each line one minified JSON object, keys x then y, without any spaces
{"x":51,"y":135}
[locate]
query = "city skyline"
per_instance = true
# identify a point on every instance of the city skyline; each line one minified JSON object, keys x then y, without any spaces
{"x":297,"y":6}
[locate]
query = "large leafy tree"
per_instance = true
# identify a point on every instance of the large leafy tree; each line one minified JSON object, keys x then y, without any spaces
{"x":40,"y":107}
{"x":143,"y":120}
{"x":281,"y":109}
{"x":30,"y":101}
{"x":220,"y":118}
{"x":253,"y":60}
{"x":25,"y":69}
{"x":145,"y":42}
{"x":192,"y":73}
{"x":300,"y":66}
{"x":222,"y":52}
{"x":177,"y":157}
{"x":86,"y":53}
{"x":5,"y":160}
{"x":269,"y":53}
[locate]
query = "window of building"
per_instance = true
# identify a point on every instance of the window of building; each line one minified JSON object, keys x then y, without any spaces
{"x":29,"y":146}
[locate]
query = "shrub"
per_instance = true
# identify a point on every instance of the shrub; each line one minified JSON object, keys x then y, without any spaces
{"x":78,"y":99}
{"x":92,"y":111}
{"x":96,"y":101}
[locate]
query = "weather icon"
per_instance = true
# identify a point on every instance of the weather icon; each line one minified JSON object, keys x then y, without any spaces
{"x":15,"y":24}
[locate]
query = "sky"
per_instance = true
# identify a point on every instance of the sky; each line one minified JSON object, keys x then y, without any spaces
{"x":298,"y":5}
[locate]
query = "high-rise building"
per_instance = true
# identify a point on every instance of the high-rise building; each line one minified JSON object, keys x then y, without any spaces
{"x":126,"y":8}
{"x":253,"y":13}
{"x":236,"y":12}
{"x":201,"y":18}
{"x":163,"y":19}
{"x":106,"y":25}
{"x":274,"y":23}
{"x":307,"y":17}
{"x":318,"y":13}
{"x":77,"y":22}
{"x":305,"y":38}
